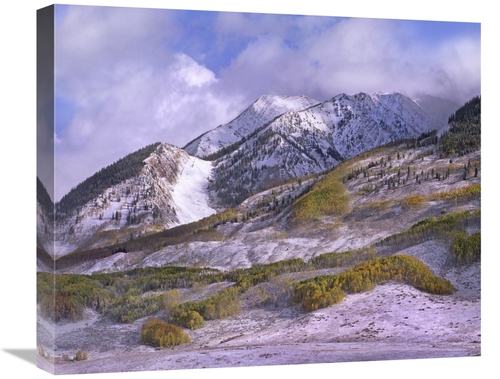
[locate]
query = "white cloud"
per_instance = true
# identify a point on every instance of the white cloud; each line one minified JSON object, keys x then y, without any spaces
{"x":135,"y":104}
{"x":128,"y":89}
{"x":187,"y":71}
{"x":355,"y":55}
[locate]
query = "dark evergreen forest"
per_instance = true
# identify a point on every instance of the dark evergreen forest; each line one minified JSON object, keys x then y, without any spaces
{"x":464,"y":135}
{"x":123,"y":169}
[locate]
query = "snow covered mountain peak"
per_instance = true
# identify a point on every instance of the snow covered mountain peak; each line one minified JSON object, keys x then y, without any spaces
{"x":259,"y":114}
{"x":314,"y":139}
{"x":283,"y":103}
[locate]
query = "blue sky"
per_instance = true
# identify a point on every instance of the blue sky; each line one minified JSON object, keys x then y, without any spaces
{"x":127,"y":77}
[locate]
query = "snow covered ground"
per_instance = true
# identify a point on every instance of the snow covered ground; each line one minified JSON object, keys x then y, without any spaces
{"x":393,"y":321}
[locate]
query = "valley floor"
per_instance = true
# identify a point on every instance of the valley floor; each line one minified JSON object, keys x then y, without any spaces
{"x":393,"y":321}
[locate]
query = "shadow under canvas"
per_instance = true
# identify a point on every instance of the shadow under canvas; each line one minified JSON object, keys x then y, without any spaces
{"x":29,"y":355}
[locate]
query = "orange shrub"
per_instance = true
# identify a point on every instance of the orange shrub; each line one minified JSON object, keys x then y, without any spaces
{"x":413,"y":201}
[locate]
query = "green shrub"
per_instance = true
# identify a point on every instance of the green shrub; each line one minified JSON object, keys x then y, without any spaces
{"x":224,"y":304}
{"x":328,"y":260}
{"x":328,"y":197}
{"x":66,"y":296}
{"x":131,"y":306}
{"x":316,"y":295}
{"x":158,"y":333}
{"x":325,"y":290}
{"x":465,"y":249}
{"x":433,"y":228}
{"x":188,"y":319}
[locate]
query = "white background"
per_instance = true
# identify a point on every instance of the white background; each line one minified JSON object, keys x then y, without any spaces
{"x":18,"y":185}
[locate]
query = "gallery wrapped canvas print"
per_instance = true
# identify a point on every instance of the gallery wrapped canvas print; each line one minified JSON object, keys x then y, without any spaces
{"x":221,"y":189}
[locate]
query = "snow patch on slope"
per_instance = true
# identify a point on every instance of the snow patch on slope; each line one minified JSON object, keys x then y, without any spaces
{"x":190,"y":192}
{"x":170,"y":190}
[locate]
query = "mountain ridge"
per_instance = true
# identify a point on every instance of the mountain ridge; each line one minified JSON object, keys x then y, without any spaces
{"x":166,"y":188}
{"x":315,"y":139}
{"x":275,"y":140}
{"x":260,"y":112}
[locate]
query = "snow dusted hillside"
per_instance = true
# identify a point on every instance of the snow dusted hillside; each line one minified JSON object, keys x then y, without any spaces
{"x":170,"y":190}
{"x":260,"y":113}
{"x":268,"y":237}
{"x":362,"y":122}
{"x":316,"y":139}
{"x":277,"y":139}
